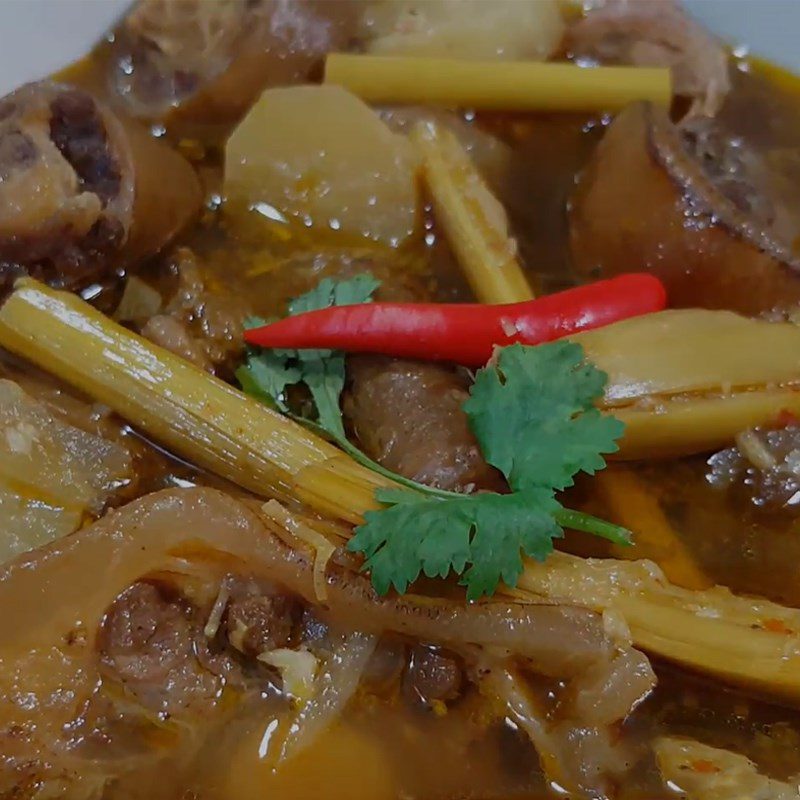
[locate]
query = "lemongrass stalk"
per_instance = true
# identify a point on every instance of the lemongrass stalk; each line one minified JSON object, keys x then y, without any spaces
{"x":691,"y":350}
{"x":497,"y":85}
{"x":687,"y":381}
{"x":181,"y":407}
{"x":745,"y":641}
{"x":472,"y":218}
{"x":683,"y":425}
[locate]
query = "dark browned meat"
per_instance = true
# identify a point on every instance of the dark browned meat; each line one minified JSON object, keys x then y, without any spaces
{"x":256,"y":620}
{"x":173,"y":335}
{"x":83,"y":193}
{"x":203,"y":321}
{"x":733,"y":167}
{"x":78,"y":132}
{"x":432,"y":676}
{"x":656,"y":33}
{"x":689,"y":206}
{"x":407,"y":415}
{"x":147,"y":643}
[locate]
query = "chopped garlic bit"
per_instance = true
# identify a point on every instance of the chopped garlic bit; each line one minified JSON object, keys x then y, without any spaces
{"x":752,"y":447}
{"x":298,"y":670}
{"x":236,"y":636}
{"x":20,"y":438}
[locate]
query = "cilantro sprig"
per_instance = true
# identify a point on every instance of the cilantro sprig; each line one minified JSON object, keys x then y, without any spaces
{"x":532,"y":412}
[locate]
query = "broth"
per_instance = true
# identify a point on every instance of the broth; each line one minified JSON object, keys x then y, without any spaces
{"x":382,"y":748}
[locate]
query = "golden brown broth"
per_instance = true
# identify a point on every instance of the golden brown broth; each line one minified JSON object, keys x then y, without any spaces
{"x":386,"y":750}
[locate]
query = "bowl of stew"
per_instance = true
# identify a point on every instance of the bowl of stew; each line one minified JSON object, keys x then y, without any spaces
{"x":400,"y":400}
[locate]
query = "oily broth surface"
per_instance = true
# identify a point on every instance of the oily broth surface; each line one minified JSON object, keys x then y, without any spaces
{"x":382,"y":748}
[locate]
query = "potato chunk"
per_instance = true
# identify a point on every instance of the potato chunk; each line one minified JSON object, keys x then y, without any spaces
{"x":51,"y":474}
{"x":319,"y":155}
{"x":480,"y":29}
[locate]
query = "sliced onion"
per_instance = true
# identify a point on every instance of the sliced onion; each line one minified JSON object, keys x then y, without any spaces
{"x":335,"y":686}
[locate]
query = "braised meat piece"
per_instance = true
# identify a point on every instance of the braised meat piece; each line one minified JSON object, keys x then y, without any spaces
{"x":656,"y":33}
{"x":407,"y":415}
{"x":83,"y":192}
{"x":203,"y":321}
{"x":198,"y":63}
{"x":691,"y":205}
{"x":256,"y":620}
{"x":146,"y":643}
{"x":432,"y":676}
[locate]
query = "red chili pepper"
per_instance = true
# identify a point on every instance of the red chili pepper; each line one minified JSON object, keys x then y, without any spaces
{"x":463,"y":333}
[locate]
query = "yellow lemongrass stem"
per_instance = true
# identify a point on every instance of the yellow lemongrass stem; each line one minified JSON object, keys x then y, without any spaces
{"x":473,"y":220}
{"x":744,"y":641}
{"x":192,"y":413}
{"x":632,"y":505}
{"x":687,"y":381}
{"x":497,"y":85}
{"x":684,"y":425}
{"x":692,"y":350}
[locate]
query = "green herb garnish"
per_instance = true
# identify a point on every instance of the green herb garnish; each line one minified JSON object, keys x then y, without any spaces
{"x":532,"y":412}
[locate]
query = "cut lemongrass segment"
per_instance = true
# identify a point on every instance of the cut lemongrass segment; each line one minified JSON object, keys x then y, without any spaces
{"x":497,"y":85}
{"x":716,"y":373}
{"x":197,"y":416}
{"x":742,"y":640}
{"x":472,"y":218}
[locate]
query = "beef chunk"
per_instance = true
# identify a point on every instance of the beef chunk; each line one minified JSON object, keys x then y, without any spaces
{"x":147,"y":643}
{"x":204,"y":319}
{"x":408,"y":416}
{"x":432,"y":676}
{"x":734,"y":168}
{"x":173,"y":335}
{"x":257,"y":621}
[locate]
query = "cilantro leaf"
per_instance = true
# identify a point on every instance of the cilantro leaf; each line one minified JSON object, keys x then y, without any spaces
{"x":267,"y":373}
{"x":356,"y":290}
{"x":533,"y":415}
{"x":481,"y":537}
{"x":267,"y":376}
{"x":325,"y":380}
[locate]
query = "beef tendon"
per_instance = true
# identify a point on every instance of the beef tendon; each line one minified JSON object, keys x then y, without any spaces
{"x":647,"y":201}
